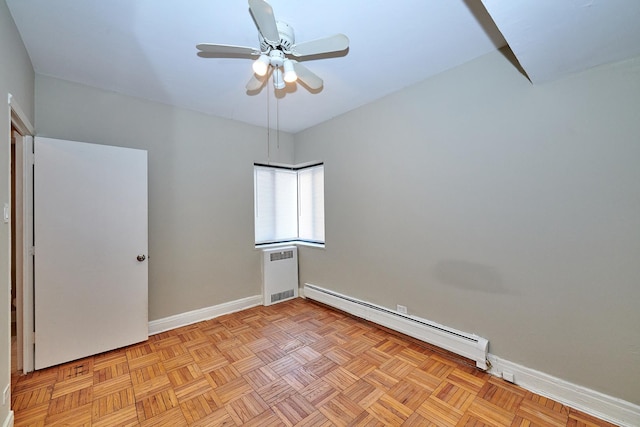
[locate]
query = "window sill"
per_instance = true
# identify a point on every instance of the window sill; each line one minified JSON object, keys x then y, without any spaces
{"x":291,"y":243}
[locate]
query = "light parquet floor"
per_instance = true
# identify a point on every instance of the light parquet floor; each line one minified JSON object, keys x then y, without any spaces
{"x":292,"y":364}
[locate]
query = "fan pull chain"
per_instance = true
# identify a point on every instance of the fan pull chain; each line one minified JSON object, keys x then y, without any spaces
{"x":268,"y":126}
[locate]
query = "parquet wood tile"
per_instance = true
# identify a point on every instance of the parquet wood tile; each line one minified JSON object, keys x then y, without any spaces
{"x":276,"y":391}
{"x":70,"y":401}
{"x":200,"y":406}
{"x":111,"y":403}
{"x":365,"y":419}
{"x":223,"y":375}
{"x":171,"y":363}
{"x":234,"y":389}
{"x":503,"y":397}
{"x":284,"y":365}
{"x":171,"y":418}
{"x":409,"y":394}
{"x":247,"y":407}
{"x":319,"y":392}
{"x":271,"y":354}
{"x":316,"y":419}
{"x":156,"y":404}
{"x":336,"y":354}
{"x":297,"y":363}
{"x":219,"y":418}
{"x":71,"y":385}
{"x":300,"y":378}
{"x":320,"y":366}
{"x":126,"y":416}
{"x":390,"y":411}
{"x":341,"y":410}
{"x":340,"y":378}
{"x":439,"y":412}
{"x":364,"y":393}
{"x":261,"y":377}
{"x":375,"y":356}
{"x":81,"y":416}
{"x":397,"y":368}
{"x":31,"y":416}
{"x":482,"y":411}
{"x":380,"y":379}
{"x":111,"y":386}
{"x":412,"y":357}
{"x":192,"y":389}
{"x":36,"y":379}
{"x":114,"y":369}
{"x":248,"y":364}
{"x":31,"y":398}
{"x":293,"y":409}
{"x":543,"y":411}
{"x":359,"y":366}
{"x":305,"y":354}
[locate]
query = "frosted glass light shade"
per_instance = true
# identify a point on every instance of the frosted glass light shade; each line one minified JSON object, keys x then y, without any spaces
{"x":261,"y":65}
{"x":290,"y":75}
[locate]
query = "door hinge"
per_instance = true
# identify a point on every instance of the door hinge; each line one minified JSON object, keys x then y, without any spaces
{"x":33,"y":338}
{"x":32,"y":251}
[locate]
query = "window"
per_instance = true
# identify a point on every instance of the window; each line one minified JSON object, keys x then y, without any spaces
{"x":289,"y":204}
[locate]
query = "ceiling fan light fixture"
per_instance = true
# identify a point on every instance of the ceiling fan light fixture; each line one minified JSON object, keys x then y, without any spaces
{"x":277,"y":46}
{"x":290,"y":75}
{"x":261,"y":65}
{"x":278,"y":81}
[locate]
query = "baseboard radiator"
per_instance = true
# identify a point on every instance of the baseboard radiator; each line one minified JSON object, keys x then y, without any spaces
{"x":467,"y":345}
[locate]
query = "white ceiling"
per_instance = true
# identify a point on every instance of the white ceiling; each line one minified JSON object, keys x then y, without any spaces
{"x":553,"y":38}
{"x":146,"y":48}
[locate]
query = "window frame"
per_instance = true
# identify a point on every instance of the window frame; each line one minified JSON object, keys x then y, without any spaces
{"x":297,"y":240}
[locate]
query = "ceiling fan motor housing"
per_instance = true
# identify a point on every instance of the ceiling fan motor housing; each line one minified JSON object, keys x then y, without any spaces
{"x":287,"y":38}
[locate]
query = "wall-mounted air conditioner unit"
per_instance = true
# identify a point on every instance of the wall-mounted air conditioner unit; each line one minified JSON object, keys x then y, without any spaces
{"x":279,"y":274}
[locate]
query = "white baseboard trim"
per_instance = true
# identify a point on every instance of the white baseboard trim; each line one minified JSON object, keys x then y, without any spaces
{"x":592,"y":402}
{"x":190,"y":317}
{"x":8,"y":421}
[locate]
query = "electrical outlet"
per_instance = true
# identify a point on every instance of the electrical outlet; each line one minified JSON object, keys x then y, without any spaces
{"x":508,"y":376}
{"x":402,"y":309}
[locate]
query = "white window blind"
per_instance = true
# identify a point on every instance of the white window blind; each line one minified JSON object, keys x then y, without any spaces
{"x":276,"y":209}
{"x":289,"y":204}
{"x":311,"y":204}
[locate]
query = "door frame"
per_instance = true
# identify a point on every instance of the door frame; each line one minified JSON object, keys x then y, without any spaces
{"x":24,"y":322}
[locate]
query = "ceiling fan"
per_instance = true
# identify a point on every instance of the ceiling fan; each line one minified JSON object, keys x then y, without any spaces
{"x":277,"y":52}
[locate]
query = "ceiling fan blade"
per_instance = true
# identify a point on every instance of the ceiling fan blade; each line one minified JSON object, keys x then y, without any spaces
{"x":307,"y":77}
{"x":333,"y":43}
{"x":265,"y":20}
{"x":256,"y":82}
{"x":226,"y":49}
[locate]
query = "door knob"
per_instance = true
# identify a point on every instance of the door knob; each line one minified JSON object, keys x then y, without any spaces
{"x":141,"y":258}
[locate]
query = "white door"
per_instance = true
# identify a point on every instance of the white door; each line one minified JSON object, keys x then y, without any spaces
{"x":90,"y":232}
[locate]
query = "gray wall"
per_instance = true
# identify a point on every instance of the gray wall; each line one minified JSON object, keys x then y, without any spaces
{"x":201,"y":242}
{"x":493,"y":206}
{"x":16,"y":78}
